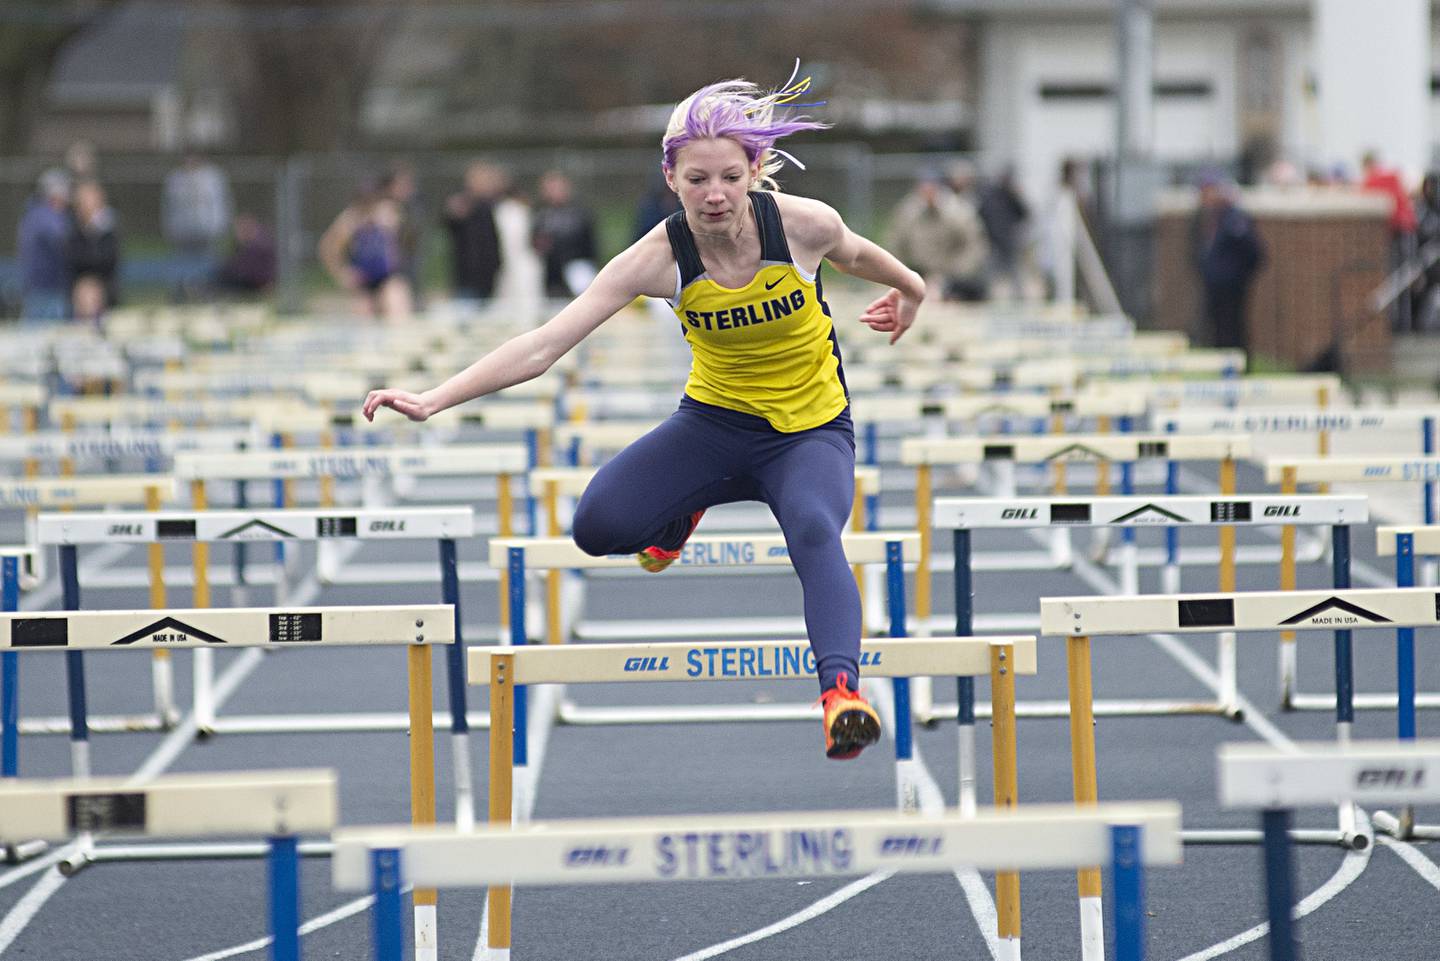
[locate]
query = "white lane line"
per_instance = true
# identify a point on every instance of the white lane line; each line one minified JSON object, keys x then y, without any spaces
{"x":22,"y":872}
{"x":156,"y":763}
{"x":28,"y":906}
{"x":1411,"y":855}
{"x":823,"y":906}
{"x":1350,"y":869}
{"x":347,"y":910}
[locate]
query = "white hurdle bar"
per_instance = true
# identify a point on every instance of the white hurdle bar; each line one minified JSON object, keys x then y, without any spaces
{"x":519,"y":557}
{"x":444,"y":525}
{"x":1277,"y":780}
{"x":962,"y":516}
{"x":277,"y":804}
{"x":1290,"y":472}
{"x":827,"y":843}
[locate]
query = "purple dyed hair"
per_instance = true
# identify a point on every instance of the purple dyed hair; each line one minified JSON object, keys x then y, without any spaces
{"x":742,"y":112}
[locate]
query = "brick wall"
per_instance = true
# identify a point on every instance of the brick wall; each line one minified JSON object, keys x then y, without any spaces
{"x":1326,"y":250}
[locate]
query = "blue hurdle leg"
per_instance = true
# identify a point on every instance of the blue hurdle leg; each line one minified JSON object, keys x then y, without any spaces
{"x":904,"y":719}
{"x":388,"y":928}
{"x":1405,"y":639}
{"x":521,"y":746}
{"x":9,"y":675}
{"x":1344,"y":659}
{"x":284,"y":863}
{"x":75,"y":667}
{"x":1127,"y":880}
{"x":1279,"y":884}
{"x":459,"y":710}
{"x":965,"y":686}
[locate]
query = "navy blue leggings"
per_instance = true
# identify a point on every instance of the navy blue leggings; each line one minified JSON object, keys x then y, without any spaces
{"x":702,"y":456}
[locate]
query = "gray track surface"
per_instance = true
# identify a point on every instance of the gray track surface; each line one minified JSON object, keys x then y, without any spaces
{"x":180,"y":911}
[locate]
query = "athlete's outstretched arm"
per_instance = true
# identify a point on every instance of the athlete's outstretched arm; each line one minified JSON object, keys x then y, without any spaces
{"x":852,"y":254}
{"x":640,"y":270}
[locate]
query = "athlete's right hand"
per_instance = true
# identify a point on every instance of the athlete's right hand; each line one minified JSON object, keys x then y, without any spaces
{"x":411,"y":405}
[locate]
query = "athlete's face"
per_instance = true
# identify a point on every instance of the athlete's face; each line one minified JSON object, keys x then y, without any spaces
{"x":712,"y":179}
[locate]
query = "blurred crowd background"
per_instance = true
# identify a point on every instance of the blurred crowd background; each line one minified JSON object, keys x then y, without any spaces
{"x":372,"y":155}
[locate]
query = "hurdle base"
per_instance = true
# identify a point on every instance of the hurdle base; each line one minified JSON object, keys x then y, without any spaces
{"x":25,"y":851}
{"x":1298,"y":701}
{"x":1102,"y":708}
{"x":573,"y":714}
{"x":106,"y":724}
{"x":339,"y":723}
{"x":1404,"y":830}
{"x":1329,"y":838}
{"x":232,"y":851}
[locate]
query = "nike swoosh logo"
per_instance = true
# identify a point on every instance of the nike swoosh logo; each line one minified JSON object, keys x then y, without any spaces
{"x":772,"y":286}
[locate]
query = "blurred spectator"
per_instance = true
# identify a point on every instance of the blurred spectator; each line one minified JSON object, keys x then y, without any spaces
{"x":250,"y":266}
{"x":361,"y":250}
{"x":195,"y":214}
{"x":399,"y":184}
{"x":1427,"y":237}
{"x":474,"y":237}
{"x":656,"y":203}
{"x":1062,"y":227}
{"x":938,"y":234}
{"x":565,"y":237}
{"x":43,"y":236}
{"x":1228,"y":252}
{"x":1004,"y":213}
{"x":521,"y":283}
{"x":1384,"y":180}
{"x":93,"y":253}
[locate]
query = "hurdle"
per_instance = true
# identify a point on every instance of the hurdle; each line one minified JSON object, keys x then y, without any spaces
{"x":963,"y":516}
{"x":1277,"y":780}
{"x":804,"y":845}
{"x":1290,"y":473}
{"x":442,"y":525}
{"x":278,"y":804}
{"x":414,"y":627}
{"x":1341,"y":610}
{"x":927,"y":453}
{"x":1169,"y":393}
{"x":711,"y":553}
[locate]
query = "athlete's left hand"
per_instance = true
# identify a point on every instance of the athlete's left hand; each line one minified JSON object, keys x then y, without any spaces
{"x":892,"y":313}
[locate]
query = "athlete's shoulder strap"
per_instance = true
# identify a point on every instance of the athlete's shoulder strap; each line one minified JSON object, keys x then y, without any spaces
{"x":773,"y":248}
{"x":682,"y":245}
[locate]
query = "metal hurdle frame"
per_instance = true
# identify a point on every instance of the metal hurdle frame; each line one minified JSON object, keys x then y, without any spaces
{"x":1341,"y":610}
{"x":1125,"y":448}
{"x":65,"y":493}
{"x":962,"y":516}
{"x":278,"y":804}
{"x":1035,"y":837}
{"x":415,"y":627}
{"x":519,"y":557}
{"x":1406,"y":543}
{"x":1277,"y":780}
{"x":1290,"y":473}
{"x":443,"y":525}
{"x":509,"y":671}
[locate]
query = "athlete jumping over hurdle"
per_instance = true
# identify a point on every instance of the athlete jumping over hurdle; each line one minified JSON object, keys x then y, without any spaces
{"x":765,"y":414}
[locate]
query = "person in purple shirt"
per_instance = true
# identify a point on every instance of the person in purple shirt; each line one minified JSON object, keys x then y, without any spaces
{"x":44,"y":270}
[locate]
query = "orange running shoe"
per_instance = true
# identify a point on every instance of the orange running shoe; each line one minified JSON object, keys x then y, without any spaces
{"x":656,"y":559}
{"x":851,"y":724}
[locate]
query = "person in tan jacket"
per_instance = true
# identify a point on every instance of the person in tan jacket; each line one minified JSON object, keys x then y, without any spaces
{"x":938,"y":233}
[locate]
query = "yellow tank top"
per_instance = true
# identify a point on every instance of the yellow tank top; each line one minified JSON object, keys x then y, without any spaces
{"x":767,"y":348}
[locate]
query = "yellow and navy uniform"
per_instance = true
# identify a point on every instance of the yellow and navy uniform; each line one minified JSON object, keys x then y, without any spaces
{"x":767,"y":349}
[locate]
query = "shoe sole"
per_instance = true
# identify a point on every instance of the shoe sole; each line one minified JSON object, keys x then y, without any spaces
{"x":654,"y":565}
{"x":851,"y":733}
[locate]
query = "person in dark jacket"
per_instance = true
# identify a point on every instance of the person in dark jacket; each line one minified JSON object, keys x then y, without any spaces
{"x":93,"y":253}
{"x":564,"y":236}
{"x":1228,"y":253}
{"x":474,"y":238}
{"x":43,"y":234}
